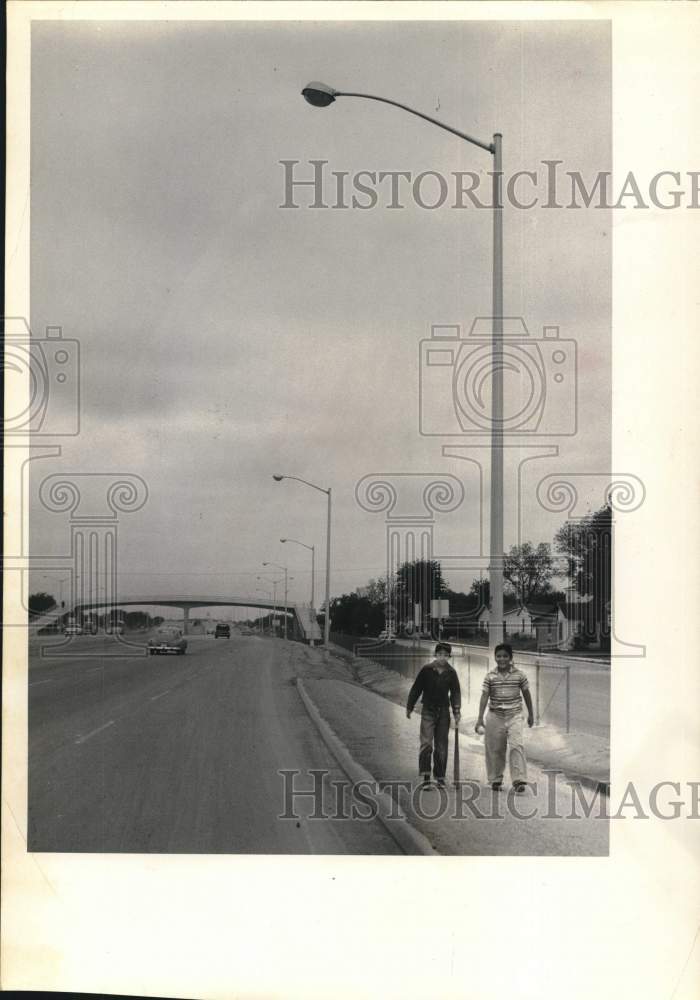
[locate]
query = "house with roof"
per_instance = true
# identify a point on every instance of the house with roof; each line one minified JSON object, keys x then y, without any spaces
{"x":556,"y":627}
{"x":522,"y":619}
{"x":573,"y":624}
{"x":570,"y":624}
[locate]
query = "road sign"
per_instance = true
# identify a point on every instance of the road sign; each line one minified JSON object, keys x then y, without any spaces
{"x":440,"y":609}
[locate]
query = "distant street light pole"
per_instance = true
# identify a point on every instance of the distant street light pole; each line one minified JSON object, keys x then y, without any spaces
{"x":261,"y":591}
{"x":312,"y":549}
{"x":320,"y":95}
{"x":60,"y":583}
{"x":274,"y":598}
{"x":327,"y":617}
{"x":284,"y":568}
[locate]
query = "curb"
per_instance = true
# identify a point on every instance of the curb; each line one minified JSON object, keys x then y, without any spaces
{"x":410,"y":840}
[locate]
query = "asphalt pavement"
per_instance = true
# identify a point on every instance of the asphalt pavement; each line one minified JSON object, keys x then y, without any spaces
{"x":179,"y":754}
{"x":208,"y":752}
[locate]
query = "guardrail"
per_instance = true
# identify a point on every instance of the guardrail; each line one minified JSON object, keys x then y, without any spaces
{"x":571,"y":693}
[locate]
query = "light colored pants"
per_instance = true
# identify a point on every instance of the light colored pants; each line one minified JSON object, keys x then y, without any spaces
{"x":505,"y":731}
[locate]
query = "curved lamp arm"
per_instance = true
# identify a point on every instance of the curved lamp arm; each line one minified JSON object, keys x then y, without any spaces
{"x":488,"y":146}
{"x":313,"y":486}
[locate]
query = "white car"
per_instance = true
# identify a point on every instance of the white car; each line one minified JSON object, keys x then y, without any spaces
{"x":386,"y":635}
{"x":73,"y":629}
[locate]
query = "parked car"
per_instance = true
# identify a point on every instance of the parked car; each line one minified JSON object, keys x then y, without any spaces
{"x":386,"y":635}
{"x":51,"y":629}
{"x":247,"y":631}
{"x":222,"y":632}
{"x":167,"y":640}
{"x":73,"y":629}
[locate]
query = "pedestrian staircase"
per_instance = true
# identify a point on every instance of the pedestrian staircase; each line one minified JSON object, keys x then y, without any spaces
{"x":306,"y":616}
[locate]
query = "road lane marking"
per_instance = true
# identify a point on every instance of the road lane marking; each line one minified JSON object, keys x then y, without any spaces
{"x":93,"y":670}
{"x":35,"y":683}
{"x":156,"y":696}
{"x":82,"y":739}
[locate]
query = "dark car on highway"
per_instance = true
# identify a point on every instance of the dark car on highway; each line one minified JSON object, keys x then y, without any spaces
{"x":222,"y":632}
{"x":167,"y":640}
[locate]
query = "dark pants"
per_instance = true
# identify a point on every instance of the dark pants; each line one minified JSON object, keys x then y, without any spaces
{"x":434,"y":730}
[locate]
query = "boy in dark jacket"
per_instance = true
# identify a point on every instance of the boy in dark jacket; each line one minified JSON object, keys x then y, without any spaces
{"x":438,"y":683}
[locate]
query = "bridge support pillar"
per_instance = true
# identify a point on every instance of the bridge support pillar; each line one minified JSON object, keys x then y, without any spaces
{"x":185,"y":620}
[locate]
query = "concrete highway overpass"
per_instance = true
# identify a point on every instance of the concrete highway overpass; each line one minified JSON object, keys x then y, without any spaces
{"x":187,"y":603}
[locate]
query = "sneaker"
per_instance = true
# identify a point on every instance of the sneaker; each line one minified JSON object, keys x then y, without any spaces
{"x":424,"y":781}
{"x":441,"y":782}
{"x":497,"y":785}
{"x":520,"y":787}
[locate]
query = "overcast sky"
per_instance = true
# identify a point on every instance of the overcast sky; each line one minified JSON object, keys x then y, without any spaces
{"x":224,"y":338}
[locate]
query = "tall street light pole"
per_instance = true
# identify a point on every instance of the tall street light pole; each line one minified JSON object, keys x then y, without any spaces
{"x":327,"y":617}
{"x":320,"y":95}
{"x":284,"y":568}
{"x":312,"y":549}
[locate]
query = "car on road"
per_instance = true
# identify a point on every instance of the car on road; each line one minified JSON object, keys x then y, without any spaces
{"x":73,"y":629}
{"x":386,"y":635}
{"x":247,"y":631}
{"x":167,"y":640}
{"x":51,"y":629}
{"x":222,"y":632}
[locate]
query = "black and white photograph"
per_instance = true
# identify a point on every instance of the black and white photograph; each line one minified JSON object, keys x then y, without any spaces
{"x":332,"y":531}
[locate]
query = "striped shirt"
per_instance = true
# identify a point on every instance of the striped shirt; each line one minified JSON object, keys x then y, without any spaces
{"x":503,"y":689}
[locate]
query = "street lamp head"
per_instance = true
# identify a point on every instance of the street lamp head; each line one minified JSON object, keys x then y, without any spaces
{"x":277,"y":479}
{"x":320,"y":95}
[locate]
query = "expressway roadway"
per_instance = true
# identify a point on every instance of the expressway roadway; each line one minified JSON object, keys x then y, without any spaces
{"x":176,"y":754}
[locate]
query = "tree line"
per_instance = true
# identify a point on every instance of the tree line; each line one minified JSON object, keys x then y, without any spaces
{"x":530,"y":571}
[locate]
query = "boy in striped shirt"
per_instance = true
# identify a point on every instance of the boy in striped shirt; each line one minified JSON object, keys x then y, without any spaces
{"x":502,"y":691}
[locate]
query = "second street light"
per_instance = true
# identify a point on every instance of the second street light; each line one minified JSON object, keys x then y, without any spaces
{"x":327,"y":615}
{"x":320,"y":95}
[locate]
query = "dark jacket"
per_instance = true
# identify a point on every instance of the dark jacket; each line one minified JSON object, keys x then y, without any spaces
{"x":438,"y":687}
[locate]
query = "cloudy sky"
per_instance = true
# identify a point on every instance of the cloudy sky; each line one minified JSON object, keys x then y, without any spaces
{"x":225,"y":338}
